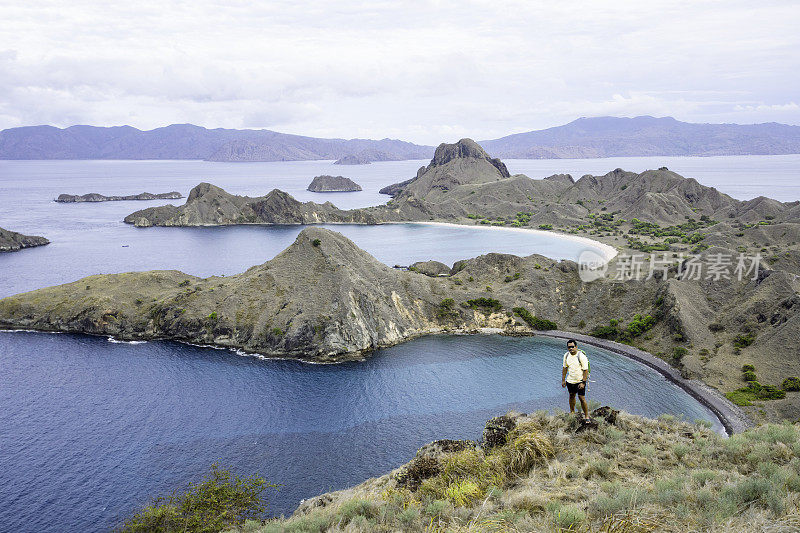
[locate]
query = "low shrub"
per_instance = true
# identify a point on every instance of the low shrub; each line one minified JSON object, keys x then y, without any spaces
{"x":486,"y":304}
{"x":220,"y":501}
{"x":791,"y":384}
{"x":533,"y":321}
{"x":744,"y":340}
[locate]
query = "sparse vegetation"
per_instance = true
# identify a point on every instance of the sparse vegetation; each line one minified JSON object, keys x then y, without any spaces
{"x":636,"y":475}
{"x":446,"y":310}
{"x":218,"y":502}
{"x":791,"y":384}
{"x":484,"y":304}
{"x":636,"y":327}
{"x":534,"y":321}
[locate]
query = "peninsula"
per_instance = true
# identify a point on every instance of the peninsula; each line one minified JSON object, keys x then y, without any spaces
{"x":327,"y":183}
{"x":11,"y":241}
{"x":95,"y":197}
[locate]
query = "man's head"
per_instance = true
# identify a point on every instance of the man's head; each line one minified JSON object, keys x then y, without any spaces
{"x":572,"y":346}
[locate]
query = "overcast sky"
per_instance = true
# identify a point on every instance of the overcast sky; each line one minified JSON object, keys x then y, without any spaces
{"x":426,"y":72}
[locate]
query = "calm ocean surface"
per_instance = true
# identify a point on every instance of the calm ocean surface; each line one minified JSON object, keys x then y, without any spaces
{"x":90,"y":429}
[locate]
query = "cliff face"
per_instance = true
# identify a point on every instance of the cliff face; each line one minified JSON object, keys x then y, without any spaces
{"x":11,"y":241}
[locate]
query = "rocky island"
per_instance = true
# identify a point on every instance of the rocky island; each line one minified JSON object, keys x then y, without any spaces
{"x":95,"y":197}
{"x":327,"y":183}
{"x":11,"y":241}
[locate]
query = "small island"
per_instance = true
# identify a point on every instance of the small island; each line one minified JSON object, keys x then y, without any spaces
{"x":95,"y":197}
{"x":352,"y":159}
{"x":11,"y":241}
{"x":333,"y":184}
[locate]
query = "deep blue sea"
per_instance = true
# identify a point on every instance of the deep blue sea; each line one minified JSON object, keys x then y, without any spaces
{"x":91,"y":429}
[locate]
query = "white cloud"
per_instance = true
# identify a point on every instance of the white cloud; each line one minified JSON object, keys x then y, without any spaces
{"x":421,"y":71}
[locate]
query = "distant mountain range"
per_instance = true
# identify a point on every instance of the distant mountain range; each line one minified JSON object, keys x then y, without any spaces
{"x":582,"y":138}
{"x":643,"y":136}
{"x":186,"y":141}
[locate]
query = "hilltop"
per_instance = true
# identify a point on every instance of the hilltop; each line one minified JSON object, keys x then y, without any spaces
{"x":209,"y":205}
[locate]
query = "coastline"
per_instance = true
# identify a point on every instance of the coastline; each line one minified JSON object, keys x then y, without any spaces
{"x":608,"y":251}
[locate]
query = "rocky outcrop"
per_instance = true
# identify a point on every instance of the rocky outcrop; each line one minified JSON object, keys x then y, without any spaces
{"x":11,"y":241}
{"x":430,"y":268}
{"x":210,"y":205}
{"x":95,"y":197}
{"x":352,"y":159}
{"x":327,"y":183}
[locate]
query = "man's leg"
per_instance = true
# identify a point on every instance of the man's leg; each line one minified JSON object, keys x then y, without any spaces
{"x":571,"y":402}
{"x":585,"y":406}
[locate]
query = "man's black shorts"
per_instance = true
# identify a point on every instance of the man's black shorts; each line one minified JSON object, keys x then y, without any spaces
{"x":576,"y":388}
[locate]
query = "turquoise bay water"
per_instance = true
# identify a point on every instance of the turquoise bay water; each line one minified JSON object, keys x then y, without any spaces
{"x":90,"y":429}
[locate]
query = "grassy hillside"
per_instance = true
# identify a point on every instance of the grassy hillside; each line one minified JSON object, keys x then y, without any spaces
{"x":535,"y":473}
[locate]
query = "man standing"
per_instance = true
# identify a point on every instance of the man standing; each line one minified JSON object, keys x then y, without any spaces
{"x":575,"y":376}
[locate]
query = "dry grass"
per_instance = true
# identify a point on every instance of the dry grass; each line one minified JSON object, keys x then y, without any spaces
{"x":635,"y":477}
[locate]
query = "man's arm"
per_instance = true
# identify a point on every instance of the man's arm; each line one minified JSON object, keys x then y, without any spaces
{"x":564,"y":377}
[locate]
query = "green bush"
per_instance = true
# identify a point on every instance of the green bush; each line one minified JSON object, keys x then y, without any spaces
{"x":534,"y":321}
{"x":791,"y":384}
{"x":213,"y":315}
{"x":749,"y":376}
{"x":744,"y":340}
{"x":487,"y":304}
{"x":678,"y":353}
{"x":545,"y":226}
{"x":316,"y":242}
{"x":446,"y":309}
{"x":748,"y":368}
{"x":218,"y":502}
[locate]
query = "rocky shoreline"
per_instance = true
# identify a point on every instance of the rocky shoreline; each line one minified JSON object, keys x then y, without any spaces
{"x":11,"y":241}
